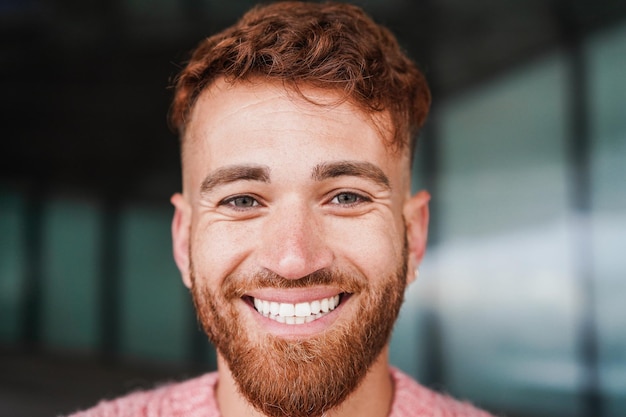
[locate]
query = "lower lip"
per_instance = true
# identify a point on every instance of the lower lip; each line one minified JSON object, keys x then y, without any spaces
{"x":292,"y":331}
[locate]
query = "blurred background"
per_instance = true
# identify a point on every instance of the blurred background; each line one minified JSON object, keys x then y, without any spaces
{"x":520,"y":302}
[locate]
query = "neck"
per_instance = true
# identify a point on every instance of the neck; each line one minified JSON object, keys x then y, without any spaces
{"x":372,"y":398}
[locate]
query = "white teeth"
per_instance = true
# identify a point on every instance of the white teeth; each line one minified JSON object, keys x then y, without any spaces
{"x":299,"y":313}
{"x":274,"y":308}
{"x":303,"y":309}
{"x":316,"y":307}
{"x":286,"y":310}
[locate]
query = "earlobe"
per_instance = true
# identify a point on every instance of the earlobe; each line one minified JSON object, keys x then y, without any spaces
{"x":181,"y":223}
{"x":416,"y":216}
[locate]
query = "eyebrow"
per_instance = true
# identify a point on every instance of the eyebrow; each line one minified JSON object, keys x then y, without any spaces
{"x":361,"y":169}
{"x":233,"y":173}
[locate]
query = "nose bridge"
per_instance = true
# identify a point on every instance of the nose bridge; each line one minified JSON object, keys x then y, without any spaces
{"x":294,"y":243}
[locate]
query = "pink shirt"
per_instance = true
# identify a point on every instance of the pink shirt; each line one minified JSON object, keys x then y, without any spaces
{"x":196,"y":398}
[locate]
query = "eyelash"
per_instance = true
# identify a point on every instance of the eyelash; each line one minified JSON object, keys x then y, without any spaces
{"x":359,"y":199}
{"x":230,"y":201}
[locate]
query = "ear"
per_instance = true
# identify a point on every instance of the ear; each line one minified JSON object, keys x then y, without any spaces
{"x":181,"y":224}
{"x":416,"y":217}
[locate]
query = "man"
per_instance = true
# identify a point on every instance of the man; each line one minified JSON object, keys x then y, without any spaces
{"x":295,"y":231}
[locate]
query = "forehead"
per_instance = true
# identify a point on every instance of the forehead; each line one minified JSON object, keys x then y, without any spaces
{"x":266,"y":123}
{"x":255,"y":97}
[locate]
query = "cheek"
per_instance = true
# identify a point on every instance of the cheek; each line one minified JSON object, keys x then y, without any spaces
{"x":217,"y":249}
{"x":375,"y":248}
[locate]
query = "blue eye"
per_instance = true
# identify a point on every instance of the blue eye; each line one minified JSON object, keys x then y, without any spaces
{"x":242,"y":201}
{"x":347,"y":199}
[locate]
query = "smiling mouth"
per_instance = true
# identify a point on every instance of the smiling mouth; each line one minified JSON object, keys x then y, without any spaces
{"x":299,"y":313}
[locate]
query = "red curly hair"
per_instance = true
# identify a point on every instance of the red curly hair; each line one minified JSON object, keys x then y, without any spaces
{"x":330,"y":46}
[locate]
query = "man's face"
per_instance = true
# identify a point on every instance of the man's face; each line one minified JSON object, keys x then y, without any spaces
{"x":291,"y":234}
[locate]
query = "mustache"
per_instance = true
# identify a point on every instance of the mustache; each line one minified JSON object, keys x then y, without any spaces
{"x":237,"y":285}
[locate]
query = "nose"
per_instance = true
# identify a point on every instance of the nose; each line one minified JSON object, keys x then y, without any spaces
{"x":294,"y":243}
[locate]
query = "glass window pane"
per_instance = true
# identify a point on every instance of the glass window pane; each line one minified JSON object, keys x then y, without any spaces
{"x":607,"y":62}
{"x":507,"y":294}
{"x":70,"y":284}
{"x":155,"y":310}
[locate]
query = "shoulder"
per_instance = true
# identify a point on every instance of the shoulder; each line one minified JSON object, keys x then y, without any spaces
{"x":414,"y":400}
{"x":191,"y":398}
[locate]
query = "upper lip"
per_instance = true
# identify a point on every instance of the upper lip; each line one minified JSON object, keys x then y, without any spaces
{"x":294,"y":295}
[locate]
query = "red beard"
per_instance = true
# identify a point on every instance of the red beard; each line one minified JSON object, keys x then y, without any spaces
{"x":308,"y":376}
